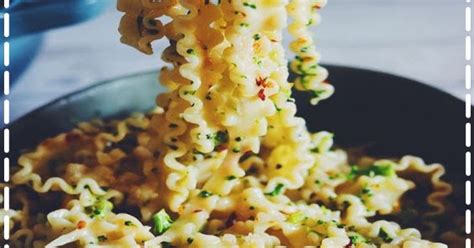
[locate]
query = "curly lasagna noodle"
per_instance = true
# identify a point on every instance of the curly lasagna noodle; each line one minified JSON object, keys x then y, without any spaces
{"x":223,"y":161}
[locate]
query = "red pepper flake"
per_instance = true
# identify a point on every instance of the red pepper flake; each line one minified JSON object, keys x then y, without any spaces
{"x":220,"y":148}
{"x":261,"y":81}
{"x":273,"y":40}
{"x":261,"y":94}
{"x":245,"y":156}
{"x":81,"y":224}
{"x":316,"y":7}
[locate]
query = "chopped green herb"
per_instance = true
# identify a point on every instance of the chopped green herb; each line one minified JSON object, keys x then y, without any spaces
{"x":317,"y":93}
{"x":325,"y":210}
{"x":277,"y":190}
{"x":314,"y":150}
{"x":128,"y":223}
{"x":256,"y":37}
{"x":250,"y":5}
{"x":357,"y":239}
{"x":373,"y":170}
{"x":220,"y":137}
{"x":252,"y":208}
{"x":229,"y":178}
{"x":173,"y":125}
{"x":236,"y":149}
{"x":191,"y":51}
{"x":367,"y":191}
{"x":297,"y":217}
{"x":102,"y":238}
{"x":100,"y":208}
{"x":243,"y":24}
{"x":205,"y":194}
{"x":384,"y":236}
{"x":238,"y":139}
{"x":166,"y":244}
{"x":304,"y":49}
{"x":161,"y":222}
{"x":332,"y":177}
{"x":276,"y":107}
{"x":189,"y":92}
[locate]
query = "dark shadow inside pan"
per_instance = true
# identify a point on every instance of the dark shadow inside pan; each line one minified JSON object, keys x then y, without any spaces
{"x":390,"y":115}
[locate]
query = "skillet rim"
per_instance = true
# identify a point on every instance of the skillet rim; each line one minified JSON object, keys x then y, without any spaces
{"x":329,"y":67}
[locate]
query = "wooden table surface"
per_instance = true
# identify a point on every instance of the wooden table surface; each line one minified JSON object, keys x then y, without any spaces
{"x":419,"y":39}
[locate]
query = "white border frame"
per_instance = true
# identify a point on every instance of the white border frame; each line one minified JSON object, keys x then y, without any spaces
{"x":6,"y":119}
{"x":468,"y":101}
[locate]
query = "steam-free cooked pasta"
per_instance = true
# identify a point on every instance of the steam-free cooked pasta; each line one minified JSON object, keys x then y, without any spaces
{"x":223,"y":161}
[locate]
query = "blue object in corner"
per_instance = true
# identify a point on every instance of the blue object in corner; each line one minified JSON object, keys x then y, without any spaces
{"x":30,"y":18}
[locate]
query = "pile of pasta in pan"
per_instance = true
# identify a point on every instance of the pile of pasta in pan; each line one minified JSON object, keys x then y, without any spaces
{"x":223,"y":161}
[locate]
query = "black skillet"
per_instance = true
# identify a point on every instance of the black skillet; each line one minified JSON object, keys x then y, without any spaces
{"x":390,"y":115}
